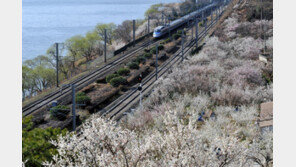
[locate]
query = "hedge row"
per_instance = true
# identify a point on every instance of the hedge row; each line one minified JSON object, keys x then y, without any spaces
{"x":111,"y":76}
{"x":59,"y":112}
{"x":176,"y":36}
{"x":133,"y":65}
{"x":153,"y":49}
{"x":82,"y":98}
{"x":166,"y":41}
{"x":148,"y":55}
{"x":123,"y":71}
{"x":118,"y":81}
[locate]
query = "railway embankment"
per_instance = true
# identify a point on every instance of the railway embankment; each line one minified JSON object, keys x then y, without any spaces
{"x":110,"y":86}
{"x":168,"y":47}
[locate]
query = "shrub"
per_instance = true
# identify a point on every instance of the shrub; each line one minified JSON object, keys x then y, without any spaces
{"x":101,"y":80}
{"x":245,"y":75}
{"x":254,"y":12}
{"x":176,"y":36}
{"x":60,"y":112}
{"x":193,"y":51}
{"x":254,"y":29}
{"x":146,"y":50}
{"x":234,"y":95}
{"x":133,"y":65}
{"x":118,"y":81}
{"x":82,"y":98}
{"x":247,"y":48}
{"x":123,"y":71}
{"x":27,"y":123}
{"x":166,"y":41}
{"x":36,"y":145}
{"x":171,"y":48}
{"x":160,"y":47}
{"x":153,"y":50}
{"x":200,"y":24}
{"x":267,"y":78}
{"x":135,"y":61}
{"x":140,"y":59}
{"x":179,"y":32}
{"x":110,"y":76}
{"x":147,"y":55}
{"x":267,"y":73}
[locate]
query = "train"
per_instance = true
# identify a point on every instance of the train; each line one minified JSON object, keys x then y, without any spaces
{"x":162,"y":30}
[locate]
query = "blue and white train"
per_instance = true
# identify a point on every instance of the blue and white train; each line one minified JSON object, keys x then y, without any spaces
{"x":162,"y":30}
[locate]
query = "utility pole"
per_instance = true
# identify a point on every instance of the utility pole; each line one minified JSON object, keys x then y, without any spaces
{"x":202,"y":16}
{"x":140,"y":89}
{"x":212,"y":15}
{"x":73,"y":103}
{"x":105,"y":46}
{"x":134,"y":32}
{"x":188,"y":23}
{"x":156,"y":62}
{"x":57,"y":63}
{"x":192,"y":29}
{"x":216,"y":12}
{"x":182,"y":44}
{"x":206,"y":24}
{"x":217,"y":15}
{"x":73,"y":107}
{"x":141,"y":95}
{"x":162,"y":18}
{"x":196,"y":33}
{"x":57,"y":60}
{"x":170,"y":33}
{"x":148,"y":24}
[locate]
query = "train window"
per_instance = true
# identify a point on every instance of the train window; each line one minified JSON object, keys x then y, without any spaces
{"x":158,"y":29}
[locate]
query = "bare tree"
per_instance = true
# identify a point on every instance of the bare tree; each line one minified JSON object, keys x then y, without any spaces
{"x":124,"y":30}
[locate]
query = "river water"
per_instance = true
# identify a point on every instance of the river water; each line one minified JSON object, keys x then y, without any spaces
{"x":45,"y":22}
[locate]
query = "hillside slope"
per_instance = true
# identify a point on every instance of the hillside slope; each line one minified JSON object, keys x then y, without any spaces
{"x":204,"y":113}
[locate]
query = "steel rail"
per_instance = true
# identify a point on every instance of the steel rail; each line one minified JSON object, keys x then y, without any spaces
{"x":176,"y":57}
{"x":84,"y":79}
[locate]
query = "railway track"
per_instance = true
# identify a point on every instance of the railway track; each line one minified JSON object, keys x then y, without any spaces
{"x":118,"y":107}
{"x":83,"y":81}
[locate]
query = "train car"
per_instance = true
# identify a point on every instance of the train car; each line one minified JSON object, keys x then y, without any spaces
{"x":162,"y":30}
{"x":157,"y":31}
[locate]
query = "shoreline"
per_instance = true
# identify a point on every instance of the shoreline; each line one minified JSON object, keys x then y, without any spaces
{"x":33,"y":37}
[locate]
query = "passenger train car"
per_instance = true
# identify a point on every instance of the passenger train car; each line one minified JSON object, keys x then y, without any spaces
{"x":162,"y":30}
